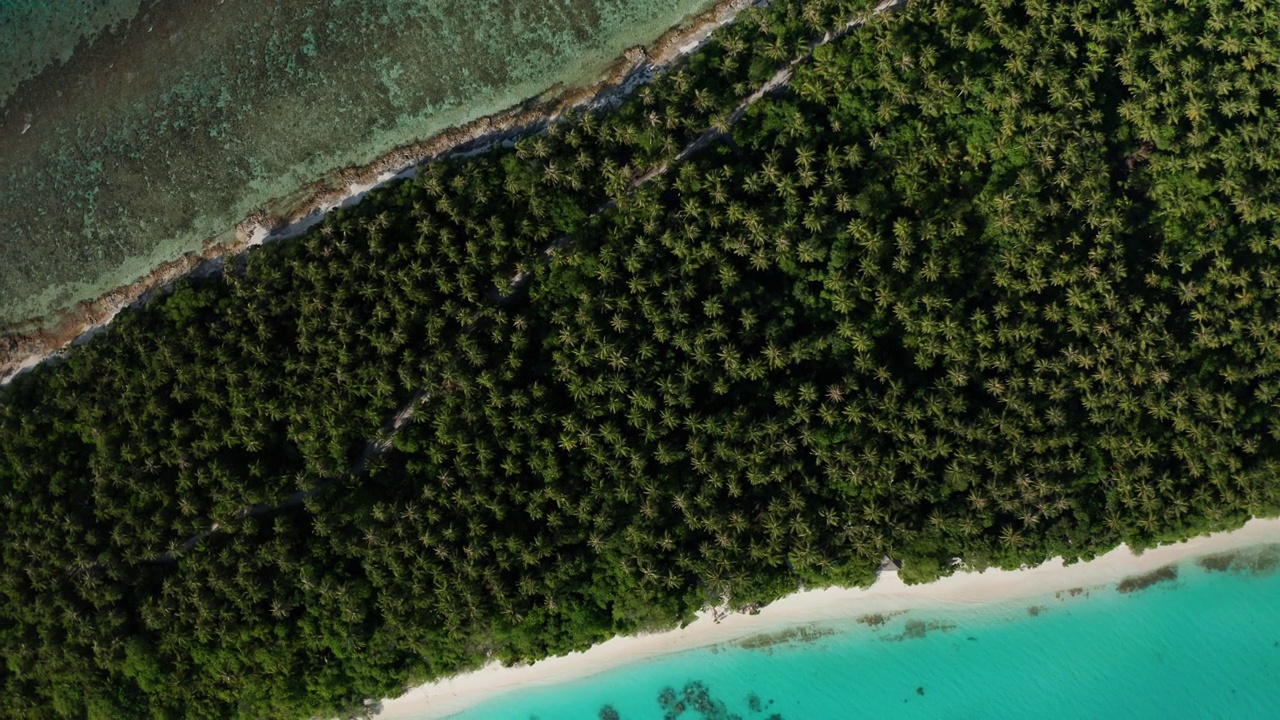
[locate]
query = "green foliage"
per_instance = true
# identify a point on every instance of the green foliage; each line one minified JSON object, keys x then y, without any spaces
{"x":958,"y":292}
{"x":187,"y":304}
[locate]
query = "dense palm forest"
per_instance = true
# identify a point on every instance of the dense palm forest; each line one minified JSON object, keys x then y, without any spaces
{"x":994,"y":280}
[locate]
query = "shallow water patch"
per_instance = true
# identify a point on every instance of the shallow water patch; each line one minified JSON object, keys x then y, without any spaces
{"x":797,"y":635}
{"x":1134,"y":583}
{"x":918,"y":629}
{"x":1262,"y":560}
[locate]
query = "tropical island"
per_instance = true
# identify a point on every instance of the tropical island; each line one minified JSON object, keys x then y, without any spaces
{"x":931,"y":280}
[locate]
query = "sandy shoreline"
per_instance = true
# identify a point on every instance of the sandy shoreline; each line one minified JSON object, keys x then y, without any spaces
{"x":889,"y":593}
{"x":26,"y":344}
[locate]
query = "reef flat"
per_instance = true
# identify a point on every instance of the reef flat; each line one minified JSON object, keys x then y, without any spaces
{"x":167,"y":127}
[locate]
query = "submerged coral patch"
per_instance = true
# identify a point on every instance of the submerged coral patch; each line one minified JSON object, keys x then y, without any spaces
{"x":803,"y":634}
{"x":1168,"y":573}
{"x":918,"y":629}
{"x":695,"y":701}
{"x":1261,"y":560}
{"x":875,"y":621}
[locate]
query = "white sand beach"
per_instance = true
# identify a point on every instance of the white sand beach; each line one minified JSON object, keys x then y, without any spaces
{"x":889,"y":593}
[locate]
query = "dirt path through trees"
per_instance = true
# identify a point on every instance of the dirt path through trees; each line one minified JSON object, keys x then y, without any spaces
{"x":379,"y":445}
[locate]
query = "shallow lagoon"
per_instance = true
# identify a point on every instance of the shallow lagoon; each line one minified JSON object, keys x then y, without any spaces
{"x":172,"y":121}
{"x":1205,"y":643}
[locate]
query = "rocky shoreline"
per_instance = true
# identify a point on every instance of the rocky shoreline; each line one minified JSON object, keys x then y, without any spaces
{"x":28,"y":343}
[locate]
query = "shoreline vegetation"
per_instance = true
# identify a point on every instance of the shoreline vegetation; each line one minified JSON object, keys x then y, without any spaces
{"x":975,"y":281}
{"x":27,"y":343}
{"x":886,"y":598}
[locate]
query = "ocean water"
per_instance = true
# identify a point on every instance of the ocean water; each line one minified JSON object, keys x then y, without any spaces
{"x":131,"y":131}
{"x":1203,"y":644}
{"x":37,"y":33}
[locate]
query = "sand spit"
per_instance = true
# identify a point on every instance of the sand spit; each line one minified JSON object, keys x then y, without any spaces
{"x":26,"y":344}
{"x":889,"y":596}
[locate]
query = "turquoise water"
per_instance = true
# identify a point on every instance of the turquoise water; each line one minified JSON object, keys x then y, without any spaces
{"x":1206,"y":644}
